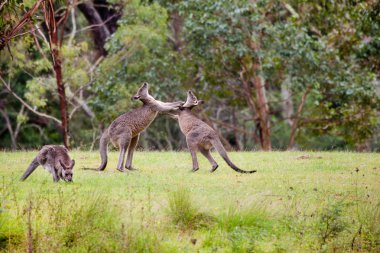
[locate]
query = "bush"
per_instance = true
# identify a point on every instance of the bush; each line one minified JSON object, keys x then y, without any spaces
{"x":330,"y":223}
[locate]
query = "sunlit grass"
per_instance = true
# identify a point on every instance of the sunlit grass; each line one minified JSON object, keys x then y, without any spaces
{"x":297,"y":201}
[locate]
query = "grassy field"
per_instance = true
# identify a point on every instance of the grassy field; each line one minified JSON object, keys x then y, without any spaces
{"x":296,"y":202}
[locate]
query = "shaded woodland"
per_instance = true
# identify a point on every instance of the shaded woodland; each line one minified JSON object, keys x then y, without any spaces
{"x":275,"y":75}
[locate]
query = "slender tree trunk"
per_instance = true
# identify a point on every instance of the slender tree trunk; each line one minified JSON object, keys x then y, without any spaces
{"x":10,"y":129}
{"x":176,"y":27}
{"x":251,"y":103}
{"x":263,"y":110}
{"x":258,"y":107}
{"x":252,"y":68}
{"x":102,"y":16}
{"x":169,"y":137}
{"x":55,"y":45}
{"x":100,"y":31}
{"x":295,"y":122}
{"x":236,"y":135}
{"x":62,"y":97}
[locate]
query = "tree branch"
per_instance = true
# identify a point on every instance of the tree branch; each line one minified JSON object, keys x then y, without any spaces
{"x":295,"y":123}
{"x":74,"y":30}
{"x":30,"y":108}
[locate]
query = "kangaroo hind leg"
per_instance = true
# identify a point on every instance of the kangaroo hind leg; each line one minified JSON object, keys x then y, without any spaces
{"x":30,"y":169}
{"x":131,"y":149}
{"x":123,"y":144}
{"x":193,"y":149}
{"x":207,"y":154}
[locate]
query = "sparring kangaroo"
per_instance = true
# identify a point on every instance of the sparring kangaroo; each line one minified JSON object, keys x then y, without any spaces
{"x":54,"y":159}
{"x":200,"y":136}
{"x":124,"y":131}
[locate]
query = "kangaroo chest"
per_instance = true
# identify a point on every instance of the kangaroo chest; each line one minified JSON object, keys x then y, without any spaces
{"x":187,"y":122}
{"x":141,"y":119}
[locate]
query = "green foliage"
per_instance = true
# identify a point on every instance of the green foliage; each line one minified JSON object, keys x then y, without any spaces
{"x":330,"y":48}
{"x":330,"y":223}
{"x":139,"y":40}
{"x":36,"y":93}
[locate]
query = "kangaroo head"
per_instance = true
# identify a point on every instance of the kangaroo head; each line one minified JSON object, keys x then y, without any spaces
{"x":142,"y":93}
{"x":67,"y":170}
{"x":191,"y":100}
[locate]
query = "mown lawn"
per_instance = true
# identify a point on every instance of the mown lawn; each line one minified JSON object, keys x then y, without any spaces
{"x":296,"y":202}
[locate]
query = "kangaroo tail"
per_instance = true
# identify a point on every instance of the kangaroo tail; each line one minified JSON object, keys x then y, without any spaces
{"x":30,"y":169}
{"x":219,"y":147}
{"x":103,"y":148}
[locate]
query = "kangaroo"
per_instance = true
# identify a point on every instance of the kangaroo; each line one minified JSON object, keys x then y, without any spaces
{"x":54,"y":159}
{"x":200,"y":136}
{"x":125,"y":130}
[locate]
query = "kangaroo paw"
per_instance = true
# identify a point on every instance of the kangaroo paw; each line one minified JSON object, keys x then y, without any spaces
{"x":214,"y":168}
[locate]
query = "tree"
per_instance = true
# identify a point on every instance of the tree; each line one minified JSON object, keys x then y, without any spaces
{"x":55,"y":36}
{"x":29,"y":57}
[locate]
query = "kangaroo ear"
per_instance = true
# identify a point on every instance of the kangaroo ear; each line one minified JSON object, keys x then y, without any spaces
{"x":62,"y":164}
{"x":145,"y":85}
{"x":72,"y":163}
{"x":201,"y":102}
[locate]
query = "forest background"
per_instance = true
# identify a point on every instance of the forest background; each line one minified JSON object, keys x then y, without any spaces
{"x":279,"y":75}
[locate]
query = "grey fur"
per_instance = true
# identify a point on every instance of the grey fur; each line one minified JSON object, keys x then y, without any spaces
{"x":200,"y":136}
{"x":125,"y":130}
{"x":54,"y":159}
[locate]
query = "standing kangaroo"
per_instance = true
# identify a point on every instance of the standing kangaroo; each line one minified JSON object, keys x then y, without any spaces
{"x":200,"y":136}
{"x":125,"y":130}
{"x":54,"y":159}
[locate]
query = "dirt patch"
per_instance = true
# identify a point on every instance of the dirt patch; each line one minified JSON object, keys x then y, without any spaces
{"x":302,"y":157}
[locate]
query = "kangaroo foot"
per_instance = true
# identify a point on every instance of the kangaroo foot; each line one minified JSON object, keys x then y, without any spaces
{"x":131,"y":168}
{"x":194,"y":169}
{"x":121,"y":170}
{"x":214,"y":168}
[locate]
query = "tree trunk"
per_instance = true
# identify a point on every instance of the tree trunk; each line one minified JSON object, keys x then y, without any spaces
{"x":176,"y":27}
{"x":236,"y":135}
{"x":55,"y":44}
{"x":295,"y":122}
{"x":62,"y":96}
{"x":103,"y":20}
{"x":10,"y":129}
{"x":259,"y":107}
{"x":262,"y":109}
{"x":99,"y":31}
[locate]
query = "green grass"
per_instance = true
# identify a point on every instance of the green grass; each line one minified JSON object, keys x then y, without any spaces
{"x":296,"y":202}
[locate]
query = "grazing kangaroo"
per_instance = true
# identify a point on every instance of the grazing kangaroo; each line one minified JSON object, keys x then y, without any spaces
{"x":200,"y":136}
{"x":54,"y":159}
{"x":125,"y":130}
